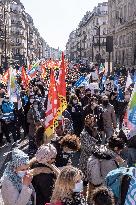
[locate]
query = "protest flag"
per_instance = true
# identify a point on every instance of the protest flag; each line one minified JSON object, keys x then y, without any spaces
{"x":52,"y":106}
{"x":43,"y":74}
{"x":25,"y":78}
{"x":129,"y":82}
{"x":61,"y":87}
{"x":101,"y":68}
{"x":12,"y":88}
{"x":120,"y":97}
{"x":5,"y":77}
{"x":132,"y":108}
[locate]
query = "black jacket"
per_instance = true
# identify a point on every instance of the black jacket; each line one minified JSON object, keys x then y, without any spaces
{"x":43,"y":185}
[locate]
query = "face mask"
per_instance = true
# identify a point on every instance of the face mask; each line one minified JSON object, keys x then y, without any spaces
{"x":127,"y":97}
{"x":31,"y":100}
{"x":21,"y":174}
{"x":69,"y":152}
{"x":75,"y":101}
{"x":78,"y":187}
{"x":6,"y":100}
{"x":89,"y":95}
{"x":35,"y":106}
{"x":105,"y":103}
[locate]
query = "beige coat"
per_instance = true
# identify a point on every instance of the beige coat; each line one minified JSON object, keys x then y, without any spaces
{"x":11,"y":196}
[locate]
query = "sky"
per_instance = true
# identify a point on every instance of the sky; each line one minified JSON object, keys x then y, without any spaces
{"x":55,"y":19}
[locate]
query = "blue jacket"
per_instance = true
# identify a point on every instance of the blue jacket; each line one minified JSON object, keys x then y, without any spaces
{"x":8,"y":111}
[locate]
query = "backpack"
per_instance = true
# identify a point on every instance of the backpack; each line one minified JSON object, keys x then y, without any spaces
{"x":114,"y":179}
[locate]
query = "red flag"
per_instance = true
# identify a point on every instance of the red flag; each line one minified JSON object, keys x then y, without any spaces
{"x":25,"y":78}
{"x":51,"y":112}
{"x":43,"y":74}
{"x":5,"y":76}
{"x":61,"y":88}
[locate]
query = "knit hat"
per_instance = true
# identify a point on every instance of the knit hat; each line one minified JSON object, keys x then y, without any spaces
{"x":45,"y":153}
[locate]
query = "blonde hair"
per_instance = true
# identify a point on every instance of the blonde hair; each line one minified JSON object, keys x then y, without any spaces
{"x":65,"y":184}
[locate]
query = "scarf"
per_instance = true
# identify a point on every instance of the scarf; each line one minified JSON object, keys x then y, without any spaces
{"x":19,"y":158}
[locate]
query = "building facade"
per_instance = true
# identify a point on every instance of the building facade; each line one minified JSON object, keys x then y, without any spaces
{"x":20,"y":40}
{"x":88,"y":42}
{"x":122,"y":26}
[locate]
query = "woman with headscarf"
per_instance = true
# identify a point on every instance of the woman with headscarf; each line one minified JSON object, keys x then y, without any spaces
{"x":16,"y":181}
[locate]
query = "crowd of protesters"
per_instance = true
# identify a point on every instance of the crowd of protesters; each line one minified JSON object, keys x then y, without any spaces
{"x":74,"y":165}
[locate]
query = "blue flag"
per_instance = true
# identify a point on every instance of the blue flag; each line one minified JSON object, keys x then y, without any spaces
{"x":80,"y":81}
{"x":116,"y":82}
{"x":103,"y":79}
{"x":120,"y":96}
{"x":130,"y":197}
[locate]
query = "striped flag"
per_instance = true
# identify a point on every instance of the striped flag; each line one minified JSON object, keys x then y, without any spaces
{"x":32,"y":72}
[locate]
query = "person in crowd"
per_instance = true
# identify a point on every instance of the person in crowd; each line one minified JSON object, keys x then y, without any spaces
{"x":75,"y":110}
{"x":102,"y":196}
{"x":34,"y":117}
{"x":66,"y":146}
{"x":8,"y":119}
{"x":16,"y":181}
{"x":26,"y":107}
{"x":68,"y":187}
{"x":96,"y":110}
{"x":86,"y":99}
{"x":104,"y":159}
{"x":43,"y":182}
{"x":89,"y":137}
{"x":109,"y":117}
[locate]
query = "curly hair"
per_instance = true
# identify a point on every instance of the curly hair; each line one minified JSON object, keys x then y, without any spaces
{"x":102,"y":196}
{"x":71,"y":141}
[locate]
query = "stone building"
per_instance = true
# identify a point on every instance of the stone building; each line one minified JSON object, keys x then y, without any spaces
{"x":122,"y":26}
{"x":5,"y":23}
{"x":88,"y":42}
{"x":20,"y":41}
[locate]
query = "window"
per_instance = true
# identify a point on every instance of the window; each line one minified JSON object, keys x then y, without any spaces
{"x":17,"y":40}
{"x":125,"y":13}
{"x":17,"y":51}
{"x":129,"y":9}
